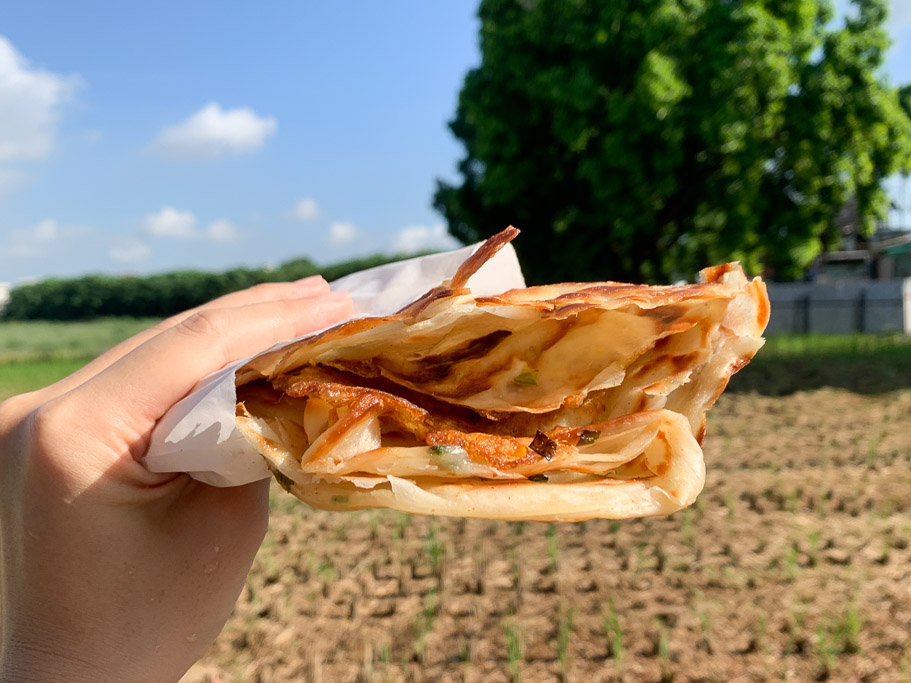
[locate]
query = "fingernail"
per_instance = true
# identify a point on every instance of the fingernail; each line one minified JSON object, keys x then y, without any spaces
{"x":311,"y":283}
{"x":310,"y":279}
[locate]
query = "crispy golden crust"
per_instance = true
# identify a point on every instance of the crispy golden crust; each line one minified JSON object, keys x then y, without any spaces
{"x":599,"y":388}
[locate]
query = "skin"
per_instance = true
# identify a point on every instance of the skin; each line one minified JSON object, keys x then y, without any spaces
{"x":111,"y":572}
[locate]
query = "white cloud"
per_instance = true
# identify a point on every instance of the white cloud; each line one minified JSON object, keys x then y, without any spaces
{"x":46,"y":232}
{"x":305,"y":210}
{"x":414,"y":238}
{"x":342,"y":233}
{"x":42,"y":238}
{"x":169,"y":222}
{"x":212,"y":132}
{"x":132,"y":251}
{"x":30,"y":100}
{"x":222,"y":231}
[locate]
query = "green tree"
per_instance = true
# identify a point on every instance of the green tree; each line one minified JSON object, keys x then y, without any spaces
{"x":157,"y":295}
{"x":643,"y":139}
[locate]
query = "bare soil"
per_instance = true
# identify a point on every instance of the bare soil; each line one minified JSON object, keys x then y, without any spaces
{"x":793,"y":565}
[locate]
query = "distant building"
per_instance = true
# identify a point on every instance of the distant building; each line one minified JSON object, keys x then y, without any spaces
{"x":885,"y":254}
{"x":862,"y":286}
{"x":5,"y":288}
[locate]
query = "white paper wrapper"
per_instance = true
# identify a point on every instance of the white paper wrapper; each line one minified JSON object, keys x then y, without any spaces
{"x":198,"y":434}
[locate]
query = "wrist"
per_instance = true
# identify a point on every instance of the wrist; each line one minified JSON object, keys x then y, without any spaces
{"x":24,"y":665}
{"x":46,"y":663}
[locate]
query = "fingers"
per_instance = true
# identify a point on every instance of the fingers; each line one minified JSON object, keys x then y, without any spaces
{"x":269,"y":291}
{"x":139,"y":388}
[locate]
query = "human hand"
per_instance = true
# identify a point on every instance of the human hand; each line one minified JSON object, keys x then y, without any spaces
{"x":111,"y":572}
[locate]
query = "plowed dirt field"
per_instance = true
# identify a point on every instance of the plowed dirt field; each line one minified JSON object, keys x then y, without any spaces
{"x":794,"y":564}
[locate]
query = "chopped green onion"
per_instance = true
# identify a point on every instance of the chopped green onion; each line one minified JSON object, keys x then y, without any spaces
{"x":445,"y":449}
{"x":527,"y":378}
{"x":588,"y":437}
{"x":339,"y":499}
{"x":449,"y":457}
{"x":283,"y":481}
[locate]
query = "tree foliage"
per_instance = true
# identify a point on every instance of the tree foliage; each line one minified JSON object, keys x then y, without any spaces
{"x":643,"y":139}
{"x":157,"y":296}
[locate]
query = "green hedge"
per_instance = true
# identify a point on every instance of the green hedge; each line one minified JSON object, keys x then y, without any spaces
{"x":156,"y":296}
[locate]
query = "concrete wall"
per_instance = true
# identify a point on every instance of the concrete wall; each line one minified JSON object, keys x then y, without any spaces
{"x":840,"y":307}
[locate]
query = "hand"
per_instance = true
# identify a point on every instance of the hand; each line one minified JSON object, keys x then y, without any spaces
{"x":110,"y":572}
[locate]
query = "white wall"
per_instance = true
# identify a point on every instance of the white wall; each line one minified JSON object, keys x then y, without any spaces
{"x":840,"y":307}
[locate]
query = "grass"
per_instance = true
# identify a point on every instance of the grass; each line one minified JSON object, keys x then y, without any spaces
{"x":838,"y":635}
{"x":664,"y":655}
{"x":730,"y":503}
{"x":434,"y":548}
{"x":553,"y":548}
{"x":402,"y":520}
{"x":36,"y":353}
{"x":423,"y":623}
{"x":326,"y":569}
{"x":791,"y":564}
{"x":859,"y":345}
{"x":687,"y":534}
{"x":613,"y":634}
{"x":796,"y":638}
{"x":862,"y":363}
{"x":43,"y":339}
{"x":563,"y":639}
{"x":814,"y":543}
{"x":515,"y":648}
{"x":21,"y":376}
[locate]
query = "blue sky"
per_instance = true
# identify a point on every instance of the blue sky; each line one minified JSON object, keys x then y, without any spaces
{"x":138,"y":138}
